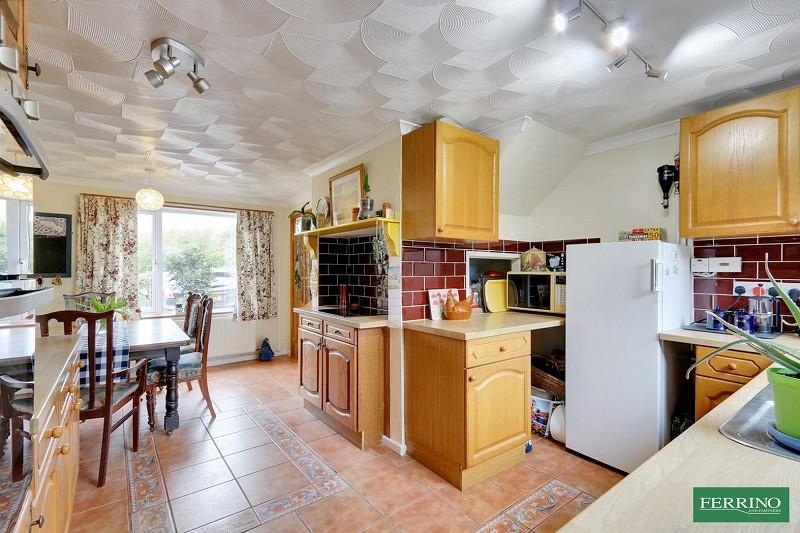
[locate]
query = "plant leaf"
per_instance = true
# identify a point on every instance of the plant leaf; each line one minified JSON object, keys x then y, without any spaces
{"x":715,"y":352}
{"x":793,"y":307}
{"x":768,"y":349}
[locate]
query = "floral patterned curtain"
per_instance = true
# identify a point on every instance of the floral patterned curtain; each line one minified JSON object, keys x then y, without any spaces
{"x":255,"y":266}
{"x":107,"y":235}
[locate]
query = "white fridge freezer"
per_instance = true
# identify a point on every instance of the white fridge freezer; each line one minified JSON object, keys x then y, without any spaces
{"x":620,"y":381}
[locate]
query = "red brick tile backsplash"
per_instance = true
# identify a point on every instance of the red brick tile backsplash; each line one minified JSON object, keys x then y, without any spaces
{"x":784,"y":263}
{"x":439,"y":265}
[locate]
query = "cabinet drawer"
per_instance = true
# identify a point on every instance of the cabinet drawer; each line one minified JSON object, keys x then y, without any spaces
{"x":310,"y":323}
{"x":739,"y":367}
{"x":709,"y":393}
{"x":498,"y":348}
{"x":339,"y":331}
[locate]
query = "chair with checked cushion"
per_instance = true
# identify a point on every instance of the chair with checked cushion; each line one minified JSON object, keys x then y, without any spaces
{"x":94,"y":396}
{"x":191,"y":320}
{"x":16,"y":405}
{"x":191,"y":366}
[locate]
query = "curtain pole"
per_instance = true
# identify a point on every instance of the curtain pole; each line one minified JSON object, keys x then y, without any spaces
{"x":184,"y":204}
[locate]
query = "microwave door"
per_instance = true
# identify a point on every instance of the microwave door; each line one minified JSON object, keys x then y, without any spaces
{"x":539,"y":294}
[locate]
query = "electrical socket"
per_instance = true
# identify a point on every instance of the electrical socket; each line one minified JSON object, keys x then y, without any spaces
{"x":750,"y":285}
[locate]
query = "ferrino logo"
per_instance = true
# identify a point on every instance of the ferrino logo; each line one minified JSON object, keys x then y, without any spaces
{"x":741,"y":504}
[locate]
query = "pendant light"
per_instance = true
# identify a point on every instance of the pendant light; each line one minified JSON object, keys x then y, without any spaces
{"x":148,"y":198}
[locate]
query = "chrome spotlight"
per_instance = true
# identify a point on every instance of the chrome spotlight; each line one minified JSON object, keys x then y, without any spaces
{"x":654,"y":73}
{"x":166,"y":65}
{"x":617,"y":63}
{"x":200,"y":85}
{"x":155,"y":79}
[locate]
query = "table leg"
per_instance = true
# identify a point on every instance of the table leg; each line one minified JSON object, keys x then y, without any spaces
{"x":171,"y":421}
{"x":4,"y":433}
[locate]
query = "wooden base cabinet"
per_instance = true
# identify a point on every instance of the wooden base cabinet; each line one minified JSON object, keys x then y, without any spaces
{"x":722,"y":375}
{"x":467,"y":404}
{"x":342,"y":377}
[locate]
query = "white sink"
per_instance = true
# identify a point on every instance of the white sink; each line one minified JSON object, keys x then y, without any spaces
{"x":23,"y":299}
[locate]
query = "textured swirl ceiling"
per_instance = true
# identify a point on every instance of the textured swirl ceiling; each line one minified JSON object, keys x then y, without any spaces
{"x":297,"y":80}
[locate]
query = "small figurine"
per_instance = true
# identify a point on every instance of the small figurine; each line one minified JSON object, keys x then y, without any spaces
{"x":457,"y":310}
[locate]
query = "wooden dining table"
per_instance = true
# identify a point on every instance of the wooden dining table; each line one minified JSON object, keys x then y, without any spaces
{"x":152,"y":337}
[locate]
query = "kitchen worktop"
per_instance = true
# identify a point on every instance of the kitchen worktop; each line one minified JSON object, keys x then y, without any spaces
{"x":358,"y":322}
{"x":482,"y":325}
{"x":708,"y":338}
{"x":657,"y":496}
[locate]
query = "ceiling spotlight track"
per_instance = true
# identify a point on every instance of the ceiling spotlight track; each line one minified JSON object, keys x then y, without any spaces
{"x":618,"y":35}
{"x":166,"y":53}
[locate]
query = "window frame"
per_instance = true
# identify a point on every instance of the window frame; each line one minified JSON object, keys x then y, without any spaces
{"x":157,"y":264}
{"x":16,"y":233}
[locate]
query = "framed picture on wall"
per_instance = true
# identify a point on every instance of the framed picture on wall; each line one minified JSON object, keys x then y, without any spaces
{"x":345,"y":194}
{"x":52,"y":244}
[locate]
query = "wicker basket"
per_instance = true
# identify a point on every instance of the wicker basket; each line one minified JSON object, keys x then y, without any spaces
{"x":548,"y":382}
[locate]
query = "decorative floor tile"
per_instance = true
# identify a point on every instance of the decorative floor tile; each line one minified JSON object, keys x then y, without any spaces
{"x":236,"y":523}
{"x":534,"y":509}
{"x":155,"y":519}
{"x":144,"y":476}
{"x":502,"y":524}
{"x":285,"y":504}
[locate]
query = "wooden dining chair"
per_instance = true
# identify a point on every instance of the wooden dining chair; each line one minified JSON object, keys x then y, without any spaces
{"x":191,"y":320}
{"x":192,"y":366}
{"x":102,"y":400}
{"x":16,"y":406}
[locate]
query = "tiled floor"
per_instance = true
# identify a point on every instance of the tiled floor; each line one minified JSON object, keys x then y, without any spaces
{"x":266,"y":465}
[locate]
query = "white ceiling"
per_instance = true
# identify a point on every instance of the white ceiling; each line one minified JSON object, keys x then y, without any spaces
{"x":294,"y":81}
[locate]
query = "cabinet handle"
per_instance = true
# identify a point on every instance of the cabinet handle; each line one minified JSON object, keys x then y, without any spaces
{"x":440,"y":229}
{"x":503,"y":349}
{"x":76,"y":406}
{"x":65,"y":449}
{"x":471,"y":378}
{"x":38,"y":522}
{"x":72,"y":389}
{"x":731,"y":366}
{"x":79,"y":364}
{"x":794,"y":221}
{"x":57,"y":432}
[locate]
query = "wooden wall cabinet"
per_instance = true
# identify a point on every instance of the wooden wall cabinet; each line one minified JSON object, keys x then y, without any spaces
{"x":342,"y":376}
{"x":15,"y":20}
{"x":468,"y":415}
{"x":451,"y":184}
{"x":722,"y":375}
{"x":740,"y":168}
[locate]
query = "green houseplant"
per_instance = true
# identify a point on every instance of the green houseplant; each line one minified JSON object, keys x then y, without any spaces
{"x":786,"y":380}
{"x":119,"y":305}
{"x":308,"y":220}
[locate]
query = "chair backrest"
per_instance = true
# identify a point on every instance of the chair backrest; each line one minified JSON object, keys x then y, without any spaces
{"x":204,"y":328}
{"x":80,"y":302}
{"x":67,"y":319}
{"x":192,"y":317}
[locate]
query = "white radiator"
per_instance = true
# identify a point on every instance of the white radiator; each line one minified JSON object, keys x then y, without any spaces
{"x":232,"y":338}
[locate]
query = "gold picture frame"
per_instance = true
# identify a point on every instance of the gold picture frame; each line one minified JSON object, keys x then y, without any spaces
{"x":345,"y":190}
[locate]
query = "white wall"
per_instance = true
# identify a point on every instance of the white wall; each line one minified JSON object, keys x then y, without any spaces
{"x":607,"y":192}
{"x":54,"y":197}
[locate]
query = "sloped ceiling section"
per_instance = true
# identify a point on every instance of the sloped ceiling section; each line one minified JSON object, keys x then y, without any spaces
{"x":295,"y":81}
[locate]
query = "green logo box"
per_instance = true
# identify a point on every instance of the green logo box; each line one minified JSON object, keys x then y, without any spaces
{"x":741,"y":504}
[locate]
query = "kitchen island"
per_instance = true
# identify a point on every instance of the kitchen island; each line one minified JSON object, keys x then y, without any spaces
{"x":657,"y":496}
{"x":467,"y":390}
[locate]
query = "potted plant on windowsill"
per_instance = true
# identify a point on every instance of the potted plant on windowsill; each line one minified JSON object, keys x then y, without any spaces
{"x":785,"y":381}
{"x":119,"y":305}
{"x":308,"y":220}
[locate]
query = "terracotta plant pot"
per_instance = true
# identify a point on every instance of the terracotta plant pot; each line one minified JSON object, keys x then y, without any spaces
{"x":786,"y":392}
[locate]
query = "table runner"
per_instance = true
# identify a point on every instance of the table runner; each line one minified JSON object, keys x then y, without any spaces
{"x":120,"y":358}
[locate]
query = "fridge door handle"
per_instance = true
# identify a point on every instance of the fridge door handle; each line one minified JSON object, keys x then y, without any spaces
{"x":656,"y":275}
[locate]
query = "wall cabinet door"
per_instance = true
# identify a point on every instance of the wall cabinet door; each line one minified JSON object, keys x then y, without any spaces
{"x":340,"y":382}
{"x":467,"y":184}
{"x":310,"y":361}
{"x":740,"y":168}
{"x":498,"y":408}
{"x":709,"y":393}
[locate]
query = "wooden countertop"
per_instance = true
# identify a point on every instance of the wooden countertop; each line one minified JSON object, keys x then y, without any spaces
{"x":657,"y":496}
{"x":358,"y":322}
{"x":486,"y":324}
{"x":707,"y":338}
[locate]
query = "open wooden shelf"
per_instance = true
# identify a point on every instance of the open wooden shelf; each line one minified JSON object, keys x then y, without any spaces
{"x":359,"y":228}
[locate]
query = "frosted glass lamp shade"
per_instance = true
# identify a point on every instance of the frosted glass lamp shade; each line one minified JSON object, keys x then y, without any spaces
{"x":149,"y":199}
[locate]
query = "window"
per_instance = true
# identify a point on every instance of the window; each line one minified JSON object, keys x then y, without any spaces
{"x":182,"y":251}
{"x":16,"y":218}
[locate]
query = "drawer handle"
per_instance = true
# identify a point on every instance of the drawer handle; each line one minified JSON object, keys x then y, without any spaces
{"x":440,"y":229}
{"x":76,"y":406}
{"x":731,"y":366}
{"x":471,"y":378}
{"x":65,"y":449}
{"x":794,"y":221}
{"x":503,"y":349}
{"x":39,"y":522}
{"x":57,"y":432}
{"x":72,"y":389}
{"x":79,"y":364}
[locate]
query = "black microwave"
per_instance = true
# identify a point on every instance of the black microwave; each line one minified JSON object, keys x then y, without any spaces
{"x":544,"y":292}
